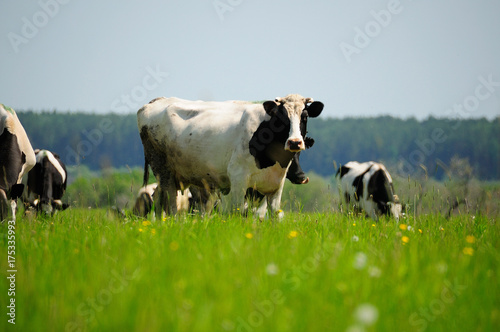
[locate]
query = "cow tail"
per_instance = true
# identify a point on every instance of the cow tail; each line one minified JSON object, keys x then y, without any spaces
{"x":146,"y":172}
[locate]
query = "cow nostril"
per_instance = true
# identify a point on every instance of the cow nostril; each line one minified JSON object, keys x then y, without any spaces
{"x":295,"y":145}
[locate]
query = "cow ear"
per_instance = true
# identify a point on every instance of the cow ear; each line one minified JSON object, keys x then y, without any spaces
{"x":271,"y":107}
{"x":309,"y":141}
{"x":315,"y":109}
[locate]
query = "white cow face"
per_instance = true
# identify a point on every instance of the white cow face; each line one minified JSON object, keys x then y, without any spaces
{"x":289,"y":117}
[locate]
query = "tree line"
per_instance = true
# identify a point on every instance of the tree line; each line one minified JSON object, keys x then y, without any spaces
{"x":406,"y":146}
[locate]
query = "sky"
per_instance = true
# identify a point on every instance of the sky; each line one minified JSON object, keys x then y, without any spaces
{"x":405,"y":58}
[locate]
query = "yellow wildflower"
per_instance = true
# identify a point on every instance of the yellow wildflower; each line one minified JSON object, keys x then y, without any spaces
{"x":405,"y":239}
{"x":293,"y":234}
{"x":373,"y":225}
{"x":164,"y":219}
{"x":249,"y":235}
{"x":470,"y":239}
{"x":354,"y":224}
{"x":403,"y":227}
{"x":140,"y":229}
{"x":153,"y":231}
{"x":420,"y":231}
{"x":441,"y":228}
{"x":468,"y":251}
{"x":146,"y":223}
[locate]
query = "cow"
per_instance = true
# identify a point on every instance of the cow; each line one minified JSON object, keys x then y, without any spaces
{"x":144,"y":201}
{"x":16,"y":158}
{"x":370,"y":185}
{"x":228,"y":146}
{"x":47,"y":182}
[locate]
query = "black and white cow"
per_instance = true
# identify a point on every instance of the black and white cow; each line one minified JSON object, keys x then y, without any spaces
{"x":47,"y":182}
{"x":230,"y":146}
{"x":16,"y":158}
{"x":144,"y":201}
{"x":368,"y":186}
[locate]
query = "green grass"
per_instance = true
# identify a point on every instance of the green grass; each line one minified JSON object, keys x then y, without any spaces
{"x":88,"y":270}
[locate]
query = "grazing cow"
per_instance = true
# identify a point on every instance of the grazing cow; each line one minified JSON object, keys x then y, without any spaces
{"x":47,"y":182}
{"x":16,"y":158}
{"x":370,"y":185}
{"x":230,"y":146}
{"x":144,"y":200}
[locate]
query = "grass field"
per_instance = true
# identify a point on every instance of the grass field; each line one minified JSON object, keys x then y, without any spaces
{"x":88,"y":270}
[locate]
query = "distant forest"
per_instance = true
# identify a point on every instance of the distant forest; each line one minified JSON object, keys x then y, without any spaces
{"x":405,"y":146}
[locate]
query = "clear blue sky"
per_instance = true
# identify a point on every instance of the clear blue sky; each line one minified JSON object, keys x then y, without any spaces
{"x":361,"y":58}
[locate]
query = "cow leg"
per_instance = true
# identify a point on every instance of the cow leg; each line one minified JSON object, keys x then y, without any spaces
{"x":13,"y":208}
{"x":236,"y":197}
{"x":167,"y":200}
{"x":4,"y":205}
{"x":274,"y":201}
{"x":262,"y":209}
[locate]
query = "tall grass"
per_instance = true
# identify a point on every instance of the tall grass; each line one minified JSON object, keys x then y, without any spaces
{"x":87,"y":269}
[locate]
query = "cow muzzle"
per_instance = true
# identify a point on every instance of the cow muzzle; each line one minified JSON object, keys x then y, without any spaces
{"x":294,"y":145}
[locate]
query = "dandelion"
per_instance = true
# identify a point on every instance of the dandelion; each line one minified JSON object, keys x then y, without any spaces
{"x":355,"y":238}
{"x":293,"y":234}
{"x":146,"y":223}
{"x":468,"y":251}
{"x":403,"y":227}
{"x":153,"y":231}
{"x":140,"y":229}
{"x":441,"y":228}
{"x":470,"y":239}
{"x":405,"y":239}
{"x":174,"y":245}
{"x":354,"y":224}
{"x":374,"y":272}
{"x":272,"y":269}
{"x":360,"y":260}
{"x":420,"y":231}
{"x":410,"y":228}
{"x":366,"y":314}
{"x":249,"y":235}
{"x":164,"y":219}
{"x":373,"y":225}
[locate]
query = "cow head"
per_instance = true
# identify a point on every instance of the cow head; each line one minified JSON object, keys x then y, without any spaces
{"x":396,"y":207}
{"x":290,"y":115}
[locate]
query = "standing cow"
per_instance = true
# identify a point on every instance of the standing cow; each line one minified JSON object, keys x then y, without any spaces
{"x":16,"y":158}
{"x":47,"y":182}
{"x":370,"y":185}
{"x":230,"y":146}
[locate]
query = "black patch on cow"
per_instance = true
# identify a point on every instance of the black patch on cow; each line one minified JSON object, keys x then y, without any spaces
{"x":358,"y":184}
{"x":11,"y":161}
{"x":295,"y":173}
{"x":381,"y":191}
{"x":342,"y":171}
{"x":17,"y":190}
{"x":268,"y":141}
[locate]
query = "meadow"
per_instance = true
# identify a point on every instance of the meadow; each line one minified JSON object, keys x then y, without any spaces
{"x":90,"y":270}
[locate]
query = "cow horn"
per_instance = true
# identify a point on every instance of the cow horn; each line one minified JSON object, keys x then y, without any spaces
{"x":309,"y":100}
{"x":279,"y":100}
